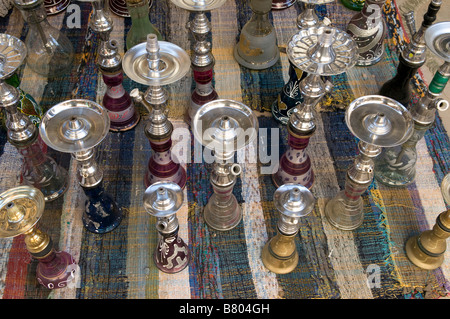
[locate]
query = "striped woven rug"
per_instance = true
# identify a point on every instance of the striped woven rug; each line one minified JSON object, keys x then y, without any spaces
{"x":333,"y":263}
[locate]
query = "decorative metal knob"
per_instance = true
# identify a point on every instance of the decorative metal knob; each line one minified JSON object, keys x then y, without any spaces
{"x":293,"y":201}
{"x":163,"y":200}
{"x":20,"y":210}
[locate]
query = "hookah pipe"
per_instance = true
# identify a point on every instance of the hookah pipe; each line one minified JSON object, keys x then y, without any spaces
{"x":396,"y":166}
{"x":162,"y":200}
{"x":151,"y":63}
{"x":20,"y":210}
{"x":117,"y":101}
{"x":77,"y":127}
{"x":38,"y":169}
{"x":202,"y":60}
{"x":411,"y":58}
{"x":427,"y":249}
{"x":293,"y":202}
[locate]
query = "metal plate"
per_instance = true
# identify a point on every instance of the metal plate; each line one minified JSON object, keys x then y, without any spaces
{"x":293,"y":200}
{"x":55,"y":131}
{"x":302,"y":44}
{"x":28,"y":201}
{"x":12,"y":54}
{"x":163,"y":208}
{"x":395,"y":130}
{"x":198,"y":5}
{"x":119,"y":7}
{"x":177,"y":64}
{"x":437,"y":39}
{"x":243,"y":128}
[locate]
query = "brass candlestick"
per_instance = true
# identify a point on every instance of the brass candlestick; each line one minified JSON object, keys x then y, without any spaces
{"x":293,"y":201}
{"x":377,"y":122}
{"x":20,"y":210}
{"x":427,"y":249}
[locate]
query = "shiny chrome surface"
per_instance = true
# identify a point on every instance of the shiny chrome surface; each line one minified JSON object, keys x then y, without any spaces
{"x":74,"y":125}
{"x":20,"y":209}
{"x":293,"y":200}
{"x":437,"y":39}
{"x":379,"y":120}
{"x":163,"y":199}
{"x":225,"y":125}
{"x":174,"y":64}
{"x":198,"y":5}
{"x":12,"y":54}
{"x":322,"y":50}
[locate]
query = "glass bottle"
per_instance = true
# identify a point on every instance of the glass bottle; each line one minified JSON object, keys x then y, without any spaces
{"x":50,"y":52}
{"x":257,"y":48}
{"x":140,"y":23}
{"x":367,"y":28}
{"x":355,"y":5}
{"x":28,"y":104}
{"x":396,"y":165}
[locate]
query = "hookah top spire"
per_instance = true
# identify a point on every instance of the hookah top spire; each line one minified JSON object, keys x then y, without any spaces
{"x":322,"y":50}
{"x":12,"y":54}
{"x":437,"y":39}
{"x":156,"y":63}
{"x":163,"y":199}
{"x":293,"y":200}
{"x":225,"y":126}
{"x":379,"y":120}
{"x":20,"y":209}
{"x":198,"y":5}
{"x":74,"y":125}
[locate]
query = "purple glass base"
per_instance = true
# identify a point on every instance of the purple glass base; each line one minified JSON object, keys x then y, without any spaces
{"x":163,"y":166}
{"x":172,"y":254}
{"x":295,"y":164}
{"x":172,"y":172}
{"x":121,"y":111}
{"x":56,"y":270}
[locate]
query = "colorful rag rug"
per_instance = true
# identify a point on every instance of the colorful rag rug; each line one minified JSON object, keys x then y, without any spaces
{"x":333,"y":263}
